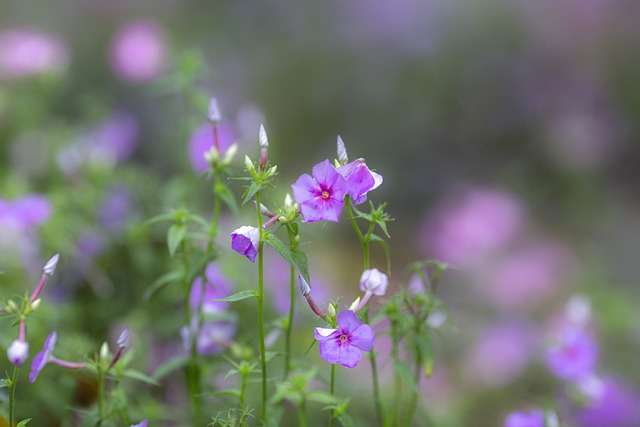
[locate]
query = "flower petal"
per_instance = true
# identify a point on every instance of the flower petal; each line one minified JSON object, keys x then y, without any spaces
{"x":349,"y":356}
{"x":330,"y":350}
{"x":325,"y":174}
{"x":362,"y":337}
{"x":319,"y":209}
{"x":348,"y":320}
{"x":305,"y":188}
{"x":322,"y":334}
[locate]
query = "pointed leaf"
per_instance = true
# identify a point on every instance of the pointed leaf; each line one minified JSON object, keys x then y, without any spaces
{"x":238,"y":296}
{"x":167,"y":279}
{"x":299,"y":260}
{"x":170,"y":366}
{"x":227,"y":197}
{"x":140,"y":376}
{"x":23,"y":422}
{"x":251,"y":191}
{"x":175,"y":235}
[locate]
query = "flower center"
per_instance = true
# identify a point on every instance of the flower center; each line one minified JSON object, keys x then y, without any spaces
{"x":325,"y":194}
{"x":343,"y":338}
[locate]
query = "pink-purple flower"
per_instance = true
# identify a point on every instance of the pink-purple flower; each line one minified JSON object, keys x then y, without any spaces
{"x":18,"y":352}
{"x":245,"y":240}
{"x":42,"y":358}
{"x":342,"y":345}
{"x":143,"y":423}
{"x":25,"y":52}
{"x":214,"y":336}
{"x":573,"y":355}
{"x":321,"y":196}
{"x":138,"y":51}
{"x":216,"y":286}
{"x":525,"y":419}
{"x":360,"y":180}
{"x":618,"y":406}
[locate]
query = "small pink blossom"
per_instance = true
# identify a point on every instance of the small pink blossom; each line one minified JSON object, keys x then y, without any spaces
{"x":342,"y":345}
{"x":245,"y":240}
{"x":573,"y":354}
{"x":138,"y":51}
{"x":321,"y":196}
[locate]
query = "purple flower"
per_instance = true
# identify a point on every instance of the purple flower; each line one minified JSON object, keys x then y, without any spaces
{"x":525,"y":419}
{"x":372,"y":282}
{"x":138,"y":51}
{"x":25,"y":212}
{"x":573,"y":356}
{"x":321,"y":197}
{"x":18,"y":352}
{"x":343,"y":345}
{"x":42,"y":358}
{"x":214,"y":337}
{"x":143,"y":423}
{"x":618,"y":406}
{"x":116,"y":137}
{"x":245,"y":240}
{"x":360,"y":180}
{"x":216,"y":286}
{"x":201,"y":142}
{"x":25,"y":52}
{"x":115,"y":209}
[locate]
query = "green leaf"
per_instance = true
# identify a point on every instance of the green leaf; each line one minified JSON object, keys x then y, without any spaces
{"x":175,"y":235}
{"x":346,"y":420}
{"x":251,"y":191}
{"x":4,"y":383}
{"x":299,"y":260}
{"x":140,"y":376}
{"x":321,"y":397}
{"x":427,"y":353}
{"x":385,"y":245}
{"x":23,"y":422}
{"x":227,"y":197}
{"x":170,"y":278}
{"x":170,"y":366}
{"x":238,"y":296}
{"x":404,"y":373}
{"x":228,"y":392}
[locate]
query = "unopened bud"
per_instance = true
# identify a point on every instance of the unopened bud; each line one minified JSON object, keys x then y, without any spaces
{"x":50,"y":266}
{"x":230,"y":154}
{"x":331,"y":310}
{"x":264,"y":211}
{"x":354,"y":305}
{"x":12,"y":307}
{"x":36,"y":304}
{"x":288,"y":201}
{"x":214,"y":115}
{"x":342,"y":152}
{"x":305,"y":289}
{"x":18,"y":352}
{"x":123,"y":339}
{"x":104,"y":351}
{"x":262,"y":137}
{"x":249,"y":165}
{"x":212,"y":156}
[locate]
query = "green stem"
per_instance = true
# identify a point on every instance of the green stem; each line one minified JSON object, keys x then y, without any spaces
{"x":417,"y":375}
{"x":287,"y":354}
{"x":260,"y":298}
{"x":243,"y":385}
{"x":100,"y":394}
{"x":12,"y":397}
{"x":302,"y":413}
{"x":215,"y":217}
{"x":332,"y":390}
{"x":193,"y":369}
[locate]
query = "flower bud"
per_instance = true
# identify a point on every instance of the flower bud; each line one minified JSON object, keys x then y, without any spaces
{"x":123,"y":339}
{"x":332,"y":310}
{"x":230,"y":154}
{"x":50,"y":266}
{"x":343,"y":159}
{"x":248,"y":164}
{"x":212,"y":156}
{"x":262,"y":137}
{"x":288,"y":201}
{"x":12,"y":307}
{"x":104,"y":351}
{"x":18,"y":352}
{"x":213,"y":114}
{"x":36,"y":304}
{"x":374,"y":282}
{"x":354,"y":305}
{"x":305,"y":289}
{"x":245,"y":241}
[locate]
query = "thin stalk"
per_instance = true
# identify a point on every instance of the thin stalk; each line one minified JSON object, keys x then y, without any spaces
{"x":243,"y":386}
{"x":193,"y":370}
{"x":292,"y":306}
{"x":260,"y":298}
{"x":12,"y":397}
{"x":215,"y":217}
{"x":333,"y":387}
{"x":302,"y":413}
{"x":100,"y":394}
{"x":417,"y":375}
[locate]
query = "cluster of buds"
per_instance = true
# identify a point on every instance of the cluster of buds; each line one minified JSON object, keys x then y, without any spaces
{"x":18,"y":351}
{"x":262,"y":173}
{"x":214,"y":156}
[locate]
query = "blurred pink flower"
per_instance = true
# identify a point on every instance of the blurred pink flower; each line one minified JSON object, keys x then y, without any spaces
{"x":573,"y":354}
{"x":138,"y":51}
{"x":217,"y":286}
{"x":473,"y":226}
{"x":116,"y":137}
{"x":500,"y":353}
{"x":25,"y":52}
{"x":201,"y":142}
{"x":618,"y":406}
{"x":528,"y":275}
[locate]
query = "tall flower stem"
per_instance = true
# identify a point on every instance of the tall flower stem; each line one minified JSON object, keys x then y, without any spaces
{"x":332,"y":390}
{"x":100,"y":395}
{"x":260,"y":298}
{"x":215,"y":217}
{"x":302,"y":413}
{"x":193,"y":370}
{"x":12,"y":397}
{"x":292,"y":306}
{"x":364,"y":240}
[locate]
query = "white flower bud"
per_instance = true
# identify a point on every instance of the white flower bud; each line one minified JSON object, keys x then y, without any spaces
{"x":18,"y":352}
{"x":104,"y":351}
{"x":578,"y":309}
{"x":212,"y":156}
{"x":305,"y":289}
{"x":36,"y":304}
{"x":12,"y":307}
{"x":354,"y":305}
{"x":343,"y":159}
{"x":332,"y":310}
{"x":50,"y":266}
{"x":288,"y":201}
{"x":214,"y":115}
{"x":374,"y":282}
{"x":230,"y":154}
{"x":249,"y":164}
{"x":262,"y":136}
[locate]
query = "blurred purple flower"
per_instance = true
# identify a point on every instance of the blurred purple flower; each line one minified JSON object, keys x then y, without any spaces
{"x":18,"y":352}
{"x":217,"y":286}
{"x":143,"y":423}
{"x":25,"y":52}
{"x":473,"y":226}
{"x":500,"y":353}
{"x":116,"y":137}
{"x":25,"y":212}
{"x":138,"y":51}
{"x":343,"y":345}
{"x":529,"y":275}
{"x":618,"y":406}
{"x":321,"y":197}
{"x":42,"y":358}
{"x":525,"y":419}
{"x":573,"y":355}
{"x":115,"y":209}
{"x":360,"y":180}
{"x":201,"y":141}
{"x":214,"y":336}
{"x":245,"y":240}
{"x":90,"y":244}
